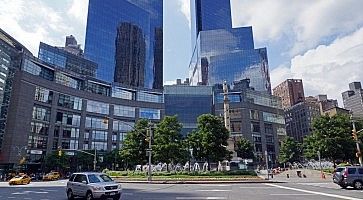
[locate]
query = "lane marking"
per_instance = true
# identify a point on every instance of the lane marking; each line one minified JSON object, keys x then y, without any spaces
{"x":128,"y":193}
{"x":214,"y":185}
{"x":196,"y":198}
{"x":256,"y":187}
{"x":292,"y":194}
{"x":213,"y":190}
{"x":313,"y":192}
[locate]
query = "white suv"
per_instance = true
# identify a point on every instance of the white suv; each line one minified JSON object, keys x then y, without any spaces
{"x":92,"y":185}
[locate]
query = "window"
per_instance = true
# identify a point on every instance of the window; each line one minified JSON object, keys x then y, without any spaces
{"x":93,"y":179}
{"x":123,"y":126}
{"x":149,"y":113}
{"x":255,"y":127}
{"x":39,"y":128}
{"x":124,"y":111}
{"x":236,"y":126}
{"x":235,"y":113}
{"x":70,"y":132}
{"x":351,"y":170}
{"x":97,"y":107}
{"x":43,"y":95}
{"x":149,"y":97}
{"x":122,"y":93}
{"x":98,"y":88}
{"x":41,"y":113}
{"x":96,"y":123}
{"x":38,"y":70}
{"x":79,"y":178}
{"x":270,"y":148}
{"x":56,"y":131}
{"x":99,"y":135}
{"x":270,"y":139}
{"x":70,"y":102}
{"x":38,"y":142}
{"x":269,"y":129}
{"x":273,"y":118}
{"x":254,"y":115}
{"x":257,"y":138}
{"x":68,"y":119}
{"x":68,"y":81}
{"x":258,"y":147}
{"x":360,"y":170}
{"x":99,"y":145}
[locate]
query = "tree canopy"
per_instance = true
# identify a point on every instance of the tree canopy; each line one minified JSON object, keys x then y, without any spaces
{"x":244,"y":149}
{"x":290,"y":151}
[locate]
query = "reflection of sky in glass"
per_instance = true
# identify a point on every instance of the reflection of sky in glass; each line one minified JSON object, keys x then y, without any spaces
{"x":103,"y":20}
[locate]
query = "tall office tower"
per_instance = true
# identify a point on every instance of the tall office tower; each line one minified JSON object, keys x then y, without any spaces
{"x":291,"y":92}
{"x":115,"y":30}
{"x":222,"y":53}
{"x":353,"y":99}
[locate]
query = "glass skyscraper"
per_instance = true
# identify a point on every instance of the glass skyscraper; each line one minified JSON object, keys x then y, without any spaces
{"x":125,"y":39}
{"x":222,"y":53}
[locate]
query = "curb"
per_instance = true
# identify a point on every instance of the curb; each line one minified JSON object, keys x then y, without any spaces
{"x":200,"y":182}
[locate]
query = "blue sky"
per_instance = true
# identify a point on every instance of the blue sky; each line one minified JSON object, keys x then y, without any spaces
{"x":317,"y":40}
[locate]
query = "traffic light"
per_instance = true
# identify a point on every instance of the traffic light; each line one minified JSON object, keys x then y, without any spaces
{"x":59,"y":153}
{"x":354,"y":135}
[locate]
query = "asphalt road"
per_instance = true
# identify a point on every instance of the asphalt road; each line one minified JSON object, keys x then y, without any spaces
{"x":282,"y":191}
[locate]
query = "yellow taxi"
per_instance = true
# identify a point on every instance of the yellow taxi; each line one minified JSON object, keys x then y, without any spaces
{"x":21,"y":179}
{"x":52,"y":176}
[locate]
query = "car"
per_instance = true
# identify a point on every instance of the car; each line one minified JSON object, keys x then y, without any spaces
{"x":52,"y":176}
{"x":20,"y":180}
{"x":92,"y":185}
{"x":349,"y":176}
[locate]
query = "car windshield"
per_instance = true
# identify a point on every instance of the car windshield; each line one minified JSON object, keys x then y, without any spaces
{"x":93,"y":178}
{"x":105,"y":178}
{"x":339,"y":169}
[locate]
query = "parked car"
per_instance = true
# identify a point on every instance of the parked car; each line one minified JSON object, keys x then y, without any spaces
{"x":20,"y":180}
{"x":92,"y":185}
{"x":52,"y":176}
{"x":349,"y":176}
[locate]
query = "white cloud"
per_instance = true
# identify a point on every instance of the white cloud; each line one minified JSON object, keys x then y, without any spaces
{"x":327,"y":69}
{"x":184,"y":6}
{"x":30,"y":22}
{"x":78,"y":10}
{"x":304,"y":23}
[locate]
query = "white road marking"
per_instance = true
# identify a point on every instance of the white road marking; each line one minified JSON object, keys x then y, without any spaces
{"x":256,"y":187}
{"x":11,"y":197}
{"x":128,"y":193}
{"x":27,"y":198}
{"x":292,"y":194}
{"x":313,"y":192}
{"x":196,"y":198}
{"x":213,"y":190}
{"x":213,"y":185}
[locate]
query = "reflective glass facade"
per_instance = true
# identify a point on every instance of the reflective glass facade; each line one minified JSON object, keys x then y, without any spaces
{"x":65,"y":60}
{"x":222,"y":53}
{"x":125,"y":39}
{"x":188,"y":103}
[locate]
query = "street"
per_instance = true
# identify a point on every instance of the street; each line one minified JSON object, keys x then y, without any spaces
{"x":55,"y":190}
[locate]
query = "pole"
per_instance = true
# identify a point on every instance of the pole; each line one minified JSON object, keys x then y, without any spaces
{"x":150,"y":150}
{"x":266,"y":157}
{"x":359,"y":154}
{"x":321,"y":168}
{"x":95,"y":160}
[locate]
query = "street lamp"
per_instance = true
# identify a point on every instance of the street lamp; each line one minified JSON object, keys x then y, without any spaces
{"x":355,"y":136}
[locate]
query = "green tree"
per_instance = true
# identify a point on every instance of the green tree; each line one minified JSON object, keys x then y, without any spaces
{"x":55,"y":162}
{"x":290,"y":151}
{"x":209,"y":142}
{"x":332,"y":136}
{"x":244,"y":149}
{"x":112,"y":158}
{"x":135,"y":144}
{"x":168,"y":142}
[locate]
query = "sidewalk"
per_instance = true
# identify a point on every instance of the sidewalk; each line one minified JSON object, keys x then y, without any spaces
{"x":311,"y":176}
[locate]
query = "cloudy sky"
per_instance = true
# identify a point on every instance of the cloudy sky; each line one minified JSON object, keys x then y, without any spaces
{"x":318,"y":41}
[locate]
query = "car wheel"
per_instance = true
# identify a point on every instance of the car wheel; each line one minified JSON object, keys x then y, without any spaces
{"x":117,"y":197}
{"x":89,"y":196}
{"x":70,"y":195}
{"x":358,"y":185}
